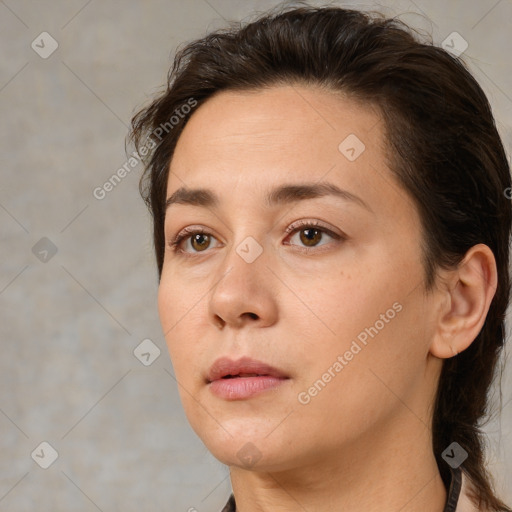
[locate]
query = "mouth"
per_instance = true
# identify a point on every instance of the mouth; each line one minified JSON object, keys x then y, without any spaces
{"x":241,"y":375}
{"x":245,"y":367}
{"x":245,"y":386}
{"x":243,"y":379}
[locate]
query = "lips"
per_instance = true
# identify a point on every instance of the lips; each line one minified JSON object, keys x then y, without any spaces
{"x":226,"y":368}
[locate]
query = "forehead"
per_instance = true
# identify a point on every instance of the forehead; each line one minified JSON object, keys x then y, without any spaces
{"x":283,"y":131}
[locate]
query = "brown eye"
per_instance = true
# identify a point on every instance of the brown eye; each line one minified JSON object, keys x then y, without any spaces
{"x":192,"y":241}
{"x":310,"y":236}
{"x":200,"y":241}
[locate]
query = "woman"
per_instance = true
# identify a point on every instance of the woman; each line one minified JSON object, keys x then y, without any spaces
{"x":331,"y":230}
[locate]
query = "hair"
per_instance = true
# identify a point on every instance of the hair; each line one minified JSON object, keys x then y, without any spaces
{"x":442,"y":145}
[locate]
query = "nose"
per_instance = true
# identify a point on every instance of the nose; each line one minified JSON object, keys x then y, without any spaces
{"x":245,"y":293}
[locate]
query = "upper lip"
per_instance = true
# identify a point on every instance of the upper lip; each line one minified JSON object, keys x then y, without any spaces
{"x":226,"y":366}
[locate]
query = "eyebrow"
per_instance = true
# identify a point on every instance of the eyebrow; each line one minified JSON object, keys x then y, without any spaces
{"x":284,"y":194}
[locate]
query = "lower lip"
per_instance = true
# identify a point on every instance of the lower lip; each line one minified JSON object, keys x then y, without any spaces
{"x":239,"y":388}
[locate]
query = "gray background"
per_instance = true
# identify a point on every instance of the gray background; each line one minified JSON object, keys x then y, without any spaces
{"x":69,"y":325}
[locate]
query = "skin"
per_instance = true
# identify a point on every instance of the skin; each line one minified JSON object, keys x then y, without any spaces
{"x":363,"y":442}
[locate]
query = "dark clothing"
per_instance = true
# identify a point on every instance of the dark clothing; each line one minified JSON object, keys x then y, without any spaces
{"x":451,"y":500}
{"x":230,"y":505}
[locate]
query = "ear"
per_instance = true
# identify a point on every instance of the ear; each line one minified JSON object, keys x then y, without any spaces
{"x":464,"y":301}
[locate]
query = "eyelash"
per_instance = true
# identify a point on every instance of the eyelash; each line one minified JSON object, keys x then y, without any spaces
{"x":298,"y":226}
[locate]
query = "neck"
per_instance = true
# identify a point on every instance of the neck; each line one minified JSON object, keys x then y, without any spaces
{"x":396,"y":471}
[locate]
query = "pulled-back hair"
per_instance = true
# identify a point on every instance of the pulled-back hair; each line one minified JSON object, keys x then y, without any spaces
{"x":442,"y":146}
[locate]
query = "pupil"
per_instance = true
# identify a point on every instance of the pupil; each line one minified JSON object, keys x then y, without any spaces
{"x":200,"y":239}
{"x":311,"y":236}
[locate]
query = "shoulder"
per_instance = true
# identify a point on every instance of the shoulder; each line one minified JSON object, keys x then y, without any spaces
{"x":467,"y":492}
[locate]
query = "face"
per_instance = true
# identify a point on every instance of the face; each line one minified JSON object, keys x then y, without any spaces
{"x":325,"y":285}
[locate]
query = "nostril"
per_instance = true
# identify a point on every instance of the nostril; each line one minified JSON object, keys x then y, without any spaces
{"x":219,"y":322}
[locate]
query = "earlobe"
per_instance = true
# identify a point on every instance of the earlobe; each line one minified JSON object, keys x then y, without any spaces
{"x":464,"y":303}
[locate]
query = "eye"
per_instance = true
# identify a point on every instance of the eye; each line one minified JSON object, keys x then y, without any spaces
{"x":311,"y":233}
{"x":198,"y":239}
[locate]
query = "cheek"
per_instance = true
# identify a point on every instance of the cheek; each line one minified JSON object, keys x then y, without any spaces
{"x":178,"y":310}
{"x":370,"y":375}
{"x":344,"y":305}
{"x":167,"y":305}
{"x":392,"y":359}
{"x":367,"y":313}
{"x":178,"y":298}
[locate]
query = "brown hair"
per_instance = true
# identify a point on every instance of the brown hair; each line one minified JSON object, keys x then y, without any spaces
{"x":443,"y":147}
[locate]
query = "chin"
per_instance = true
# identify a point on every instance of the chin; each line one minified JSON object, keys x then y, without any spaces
{"x":249,"y":456}
{"x":248,"y":451}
